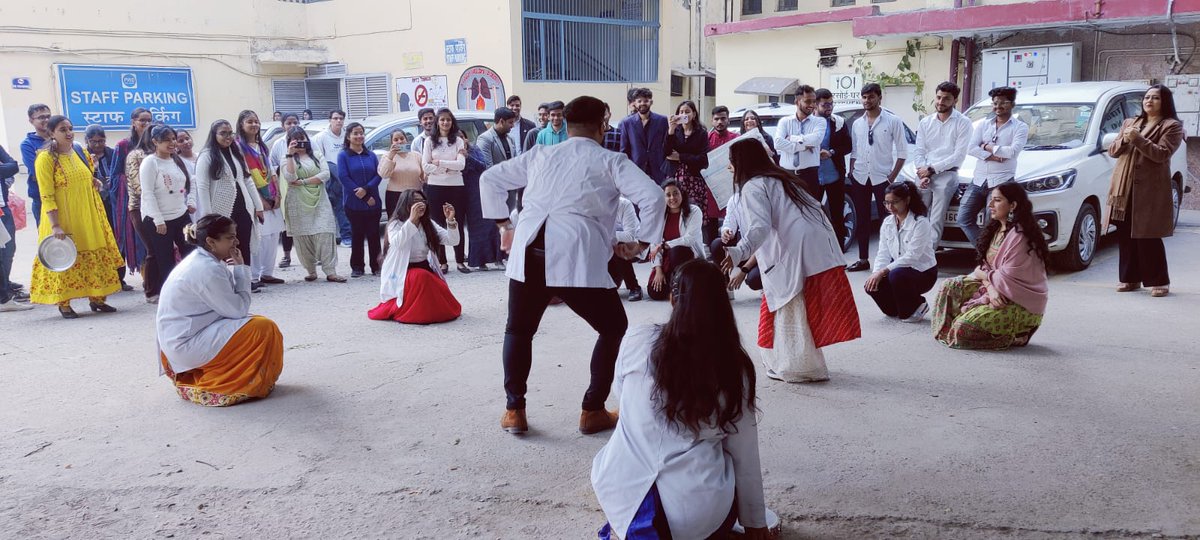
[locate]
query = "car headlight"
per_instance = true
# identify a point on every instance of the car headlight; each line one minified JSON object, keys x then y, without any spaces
{"x":1048,"y":183}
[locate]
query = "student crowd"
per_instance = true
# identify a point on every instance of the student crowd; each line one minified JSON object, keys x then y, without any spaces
{"x":566,"y":205}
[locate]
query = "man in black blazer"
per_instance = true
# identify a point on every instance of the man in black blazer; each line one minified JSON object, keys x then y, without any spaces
{"x":523,"y":124}
{"x":644,"y":136}
{"x":834,"y":149}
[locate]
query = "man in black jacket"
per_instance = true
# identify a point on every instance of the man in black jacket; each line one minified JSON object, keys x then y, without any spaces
{"x":832,"y":171}
{"x":523,"y":124}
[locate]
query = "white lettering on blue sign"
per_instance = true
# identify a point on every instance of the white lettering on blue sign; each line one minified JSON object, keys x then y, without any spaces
{"x":105,"y":95}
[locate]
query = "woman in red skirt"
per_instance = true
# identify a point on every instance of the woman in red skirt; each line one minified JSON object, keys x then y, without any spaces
{"x":412,"y":290}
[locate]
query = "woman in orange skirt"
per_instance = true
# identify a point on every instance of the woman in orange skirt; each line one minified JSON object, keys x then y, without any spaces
{"x":413,"y":289}
{"x":216,"y":353}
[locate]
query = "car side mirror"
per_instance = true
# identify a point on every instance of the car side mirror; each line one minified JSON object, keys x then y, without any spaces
{"x":1107,"y":140}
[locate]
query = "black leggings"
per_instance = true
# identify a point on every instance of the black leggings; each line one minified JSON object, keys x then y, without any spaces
{"x":162,"y":247}
{"x":245,"y":225}
{"x":621,"y":270}
{"x":457,"y":197}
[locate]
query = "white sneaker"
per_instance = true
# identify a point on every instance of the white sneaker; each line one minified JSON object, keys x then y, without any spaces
{"x":919,"y":314}
{"x":12,"y":305}
{"x":152,"y":299}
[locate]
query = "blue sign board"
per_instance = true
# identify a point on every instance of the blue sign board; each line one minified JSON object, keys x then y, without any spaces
{"x":456,"y":51}
{"x":106,"y":95}
{"x":21,"y":83}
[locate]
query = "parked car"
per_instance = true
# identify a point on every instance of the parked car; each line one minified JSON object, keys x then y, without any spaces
{"x":770,"y":114}
{"x":380,"y":128}
{"x":1065,"y":166}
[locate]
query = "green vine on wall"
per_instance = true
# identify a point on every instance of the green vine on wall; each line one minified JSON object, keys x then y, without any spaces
{"x":903,"y":76}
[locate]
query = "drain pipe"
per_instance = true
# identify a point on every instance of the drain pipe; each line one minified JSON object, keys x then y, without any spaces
{"x":954,"y":59}
{"x":968,"y":86}
{"x":1174,"y":37}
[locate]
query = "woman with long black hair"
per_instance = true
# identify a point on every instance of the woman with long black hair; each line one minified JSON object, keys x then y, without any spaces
{"x":1139,"y":199}
{"x":224,"y":186}
{"x":167,"y":202}
{"x":683,"y":461}
{"x":127,"y":230}
{"x":444,"y":157}
{"x":1001,"y":303}
{"x":258,"y":161}
{"x":681,"y":240}
{"x":687,"y":151}
{"x":750,"y":120}
{"x":358,"y":171}
{"x":413,"y":289}
{"x":306,"y":208}
{"x":905,"y":265}
{"x":807,"y":301}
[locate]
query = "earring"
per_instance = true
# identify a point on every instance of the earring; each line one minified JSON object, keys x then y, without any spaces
{"x":1010,"y":217}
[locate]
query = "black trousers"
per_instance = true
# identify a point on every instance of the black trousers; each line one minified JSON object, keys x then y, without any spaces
{"x":753,"y":276}
{"x":457,"y":197}
{"x":900,"y":294}
{"x":1140,"y":260}
{"x":287,"y":242}
{"x":837,"y":205}
{"x":391,"y":199}
{"x":527,"y":302}
{"x":364,"y":227}
{"x":162,"y":248}
{"x":245,"y":226}
{"x":861,"y":196}
{"x":621,"y":270}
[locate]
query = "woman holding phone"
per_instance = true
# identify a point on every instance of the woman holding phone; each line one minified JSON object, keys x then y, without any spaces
{"x":402,"y":169}
{"x":306,"y":209}
{"x":413,"y":289}
{"x":687,"y":151}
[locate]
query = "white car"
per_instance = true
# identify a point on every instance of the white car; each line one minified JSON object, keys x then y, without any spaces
{"x":1065,"y":166}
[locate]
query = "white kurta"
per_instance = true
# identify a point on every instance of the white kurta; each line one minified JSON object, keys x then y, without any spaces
{"x":792,"y":244}
{"x":405,"y":240}
{"x":203,"y":303}
{"x":696,"y":476}
{"x":572,"y":188}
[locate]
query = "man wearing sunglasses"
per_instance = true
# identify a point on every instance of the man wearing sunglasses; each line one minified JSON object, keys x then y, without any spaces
{"x":876,"y":157}
{"x":996,"y":144}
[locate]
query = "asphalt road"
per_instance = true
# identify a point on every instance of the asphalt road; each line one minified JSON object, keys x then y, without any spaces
{"x":379,"y":430}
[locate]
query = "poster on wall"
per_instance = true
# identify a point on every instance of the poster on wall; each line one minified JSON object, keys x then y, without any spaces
{"x":414,"y":93}
{"x":105,"y":95}
{"x":480,"y":89}
{"x":456,"y":51}
{"x":846,"y":88}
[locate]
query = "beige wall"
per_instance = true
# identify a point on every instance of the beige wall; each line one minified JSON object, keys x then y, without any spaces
{"x":755,"y":54}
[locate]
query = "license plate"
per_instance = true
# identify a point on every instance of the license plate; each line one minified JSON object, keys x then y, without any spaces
{"x":952,"y":218}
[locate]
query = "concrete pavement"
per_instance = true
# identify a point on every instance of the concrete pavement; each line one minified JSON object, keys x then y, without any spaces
{"x":379,"y":430}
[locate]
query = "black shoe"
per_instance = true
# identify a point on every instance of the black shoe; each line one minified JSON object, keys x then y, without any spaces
{"x":375,"y":273}
{"x":255,"y":286}
{"x":125,"y":287}
{"x":356,"y":273}
{"x":101,"y":307}
{"x":14,"y":286}
{"x":286,"y":261}
{"x":68,"y":313}
{"x":462,"y":268}
{"x":859,"y":266}
{"x":20,"y":296}
{"x":635,"y":295}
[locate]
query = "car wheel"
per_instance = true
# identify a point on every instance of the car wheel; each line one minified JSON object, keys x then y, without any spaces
{"x":1084,"y":239}
{"x":848,"y":222}
{"x":1176,"y":200}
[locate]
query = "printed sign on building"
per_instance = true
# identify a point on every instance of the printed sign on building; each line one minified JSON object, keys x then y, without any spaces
{"x":106,"y":95}
{"x":413,"y":93}
{"x":480,"y":89}
{"x":846,"y":88}
{"x":456,"y":51}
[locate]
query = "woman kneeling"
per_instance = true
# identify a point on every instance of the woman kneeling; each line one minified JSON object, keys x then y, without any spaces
{"x":1001,"y":303}
{"x":683,"y":461}
{"x":212,"y":348}
{"x":413,"y":289}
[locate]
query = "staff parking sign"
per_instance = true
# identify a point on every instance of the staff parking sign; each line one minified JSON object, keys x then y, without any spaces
{"x":105,"y":95}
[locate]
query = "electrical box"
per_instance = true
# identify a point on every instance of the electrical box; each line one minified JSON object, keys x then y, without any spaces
{"x":1185,"y":89}
{"x":1028,"y":67}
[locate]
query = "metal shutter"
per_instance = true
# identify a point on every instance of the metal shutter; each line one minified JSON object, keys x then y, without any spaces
{"x":289,"y":95}
{"x":367,"y":95}
{"x":324,"y":95}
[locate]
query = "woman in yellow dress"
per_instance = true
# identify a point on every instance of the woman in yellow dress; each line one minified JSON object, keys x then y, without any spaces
{"x":71,"y":206}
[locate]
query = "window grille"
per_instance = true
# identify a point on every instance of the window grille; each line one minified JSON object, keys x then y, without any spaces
{"x":594,"y":41}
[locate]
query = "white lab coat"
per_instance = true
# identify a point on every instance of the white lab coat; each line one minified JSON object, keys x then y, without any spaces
{"x":572,"y":188}
{"x":404,"y":239}
{"x":696,"y":476}
{"x":628,"y":223}
{"x":911,"y":245}
{"x":203,"y":303}
{"x":792,"y":244}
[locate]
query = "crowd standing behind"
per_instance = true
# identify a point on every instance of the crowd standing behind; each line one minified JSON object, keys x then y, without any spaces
{"x":566,"y":205}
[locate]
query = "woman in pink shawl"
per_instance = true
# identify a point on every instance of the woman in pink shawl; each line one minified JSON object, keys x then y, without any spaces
{"x":1001,"y":303}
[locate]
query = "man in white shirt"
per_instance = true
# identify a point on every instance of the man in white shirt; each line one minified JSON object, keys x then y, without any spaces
{"x":877,"y":155}
{"x":428,"y":118}
{"x":798,"y":138}
{"x":329,"y":144}
{"x":942,"y":142}
{"x":996,"y":144}
{"x":561,"y":246}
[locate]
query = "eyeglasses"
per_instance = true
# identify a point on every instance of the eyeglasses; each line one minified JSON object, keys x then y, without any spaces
{"x":224,"y":133}
{"x":42,"y":117}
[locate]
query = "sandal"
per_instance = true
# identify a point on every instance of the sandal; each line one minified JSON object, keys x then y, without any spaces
{"x":462,"y":268}
{"x":68,"y":313}
{"x":1159,"y":292}
{"x":101,"y":307}
{"x":1129,"y":287}
{"x":310,"y":277}
{"x":334,"y":279}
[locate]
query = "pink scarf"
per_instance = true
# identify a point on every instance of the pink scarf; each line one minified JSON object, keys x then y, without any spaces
{"x":1018,"y":274}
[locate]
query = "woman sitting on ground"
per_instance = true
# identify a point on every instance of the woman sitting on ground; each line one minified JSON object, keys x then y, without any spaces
{"x":216,"y":353}
{"x":682,"y":240}
{"x":905,"y":266}
{"x":1001,"y":303}
{"x":686,"y":447}
{"x":413,"y":289}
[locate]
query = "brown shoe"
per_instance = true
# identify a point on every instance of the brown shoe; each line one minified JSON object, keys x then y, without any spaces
{"x":335,"y":279}
{"x":596,"y":421}
{"x":1129,"y":287}
{"x":514,"y":421}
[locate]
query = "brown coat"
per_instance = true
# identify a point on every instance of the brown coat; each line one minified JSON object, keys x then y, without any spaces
{"x":1151,"y":212}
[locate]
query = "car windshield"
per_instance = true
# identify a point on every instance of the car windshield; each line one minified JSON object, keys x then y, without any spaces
{"x":1052,"y":126}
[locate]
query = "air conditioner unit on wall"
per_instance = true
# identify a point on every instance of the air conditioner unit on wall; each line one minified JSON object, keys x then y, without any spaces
{"x":1027,"y":67}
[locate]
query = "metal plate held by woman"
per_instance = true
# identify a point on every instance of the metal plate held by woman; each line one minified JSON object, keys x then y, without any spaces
{"x":57,"y":255}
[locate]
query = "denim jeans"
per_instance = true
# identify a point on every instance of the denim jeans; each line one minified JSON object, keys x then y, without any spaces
{"x":973,"y":201}
{"x":6,"y":256}
{"x":334,"y":188}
